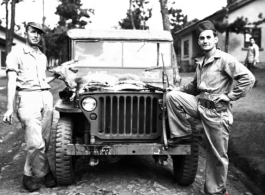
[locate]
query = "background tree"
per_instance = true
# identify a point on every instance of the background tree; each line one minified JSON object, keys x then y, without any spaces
{"x":260,"y":20}
{"x":10,"y":25}
{"x":131,"y":15}
{"x":43,"y":26}
{"x":237,"y":26}
{"x":173,"y":20}
{"x":177,"y":21}
{"x":224,"y":26}
{"x":137,"y":15}
{"x":71,"y":16}
{"x":165,"y":14}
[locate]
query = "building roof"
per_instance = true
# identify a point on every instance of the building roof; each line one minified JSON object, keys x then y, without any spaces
{"x":15,"y":35}
{"x":217,"y":15}
{"x":120,"y":34}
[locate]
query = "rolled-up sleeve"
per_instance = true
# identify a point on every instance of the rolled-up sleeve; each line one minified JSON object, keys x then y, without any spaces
{"x":243,"y":77}
{"x":12,"y":63}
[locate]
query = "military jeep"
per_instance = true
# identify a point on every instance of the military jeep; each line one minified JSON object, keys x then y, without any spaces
{"x":105,"y":124}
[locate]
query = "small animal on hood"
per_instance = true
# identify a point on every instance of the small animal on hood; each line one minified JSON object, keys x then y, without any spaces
{"x":67,"y":73}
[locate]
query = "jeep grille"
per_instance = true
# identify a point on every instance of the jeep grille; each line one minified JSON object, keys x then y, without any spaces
{"x":128,"y":116}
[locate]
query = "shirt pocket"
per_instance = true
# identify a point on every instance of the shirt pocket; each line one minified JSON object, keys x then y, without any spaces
{"x":211,"y":78}
{"x":27,"y":70}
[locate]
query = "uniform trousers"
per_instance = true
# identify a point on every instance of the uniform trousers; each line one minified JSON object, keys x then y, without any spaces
{"x":216,"y":126}
{"x":250,"y":66}
{"x":35,"y":110}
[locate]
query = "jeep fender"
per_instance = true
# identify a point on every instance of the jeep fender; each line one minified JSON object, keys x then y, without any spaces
{"x":67,"y":106}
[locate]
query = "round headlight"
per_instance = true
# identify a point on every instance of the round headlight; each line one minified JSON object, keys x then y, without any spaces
{"x":89,"y":104}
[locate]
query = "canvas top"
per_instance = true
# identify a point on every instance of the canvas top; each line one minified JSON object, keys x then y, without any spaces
{"x":120,"y":34}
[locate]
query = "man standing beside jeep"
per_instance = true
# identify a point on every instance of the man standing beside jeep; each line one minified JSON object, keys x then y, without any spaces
{"x":25,"y":68}
{"x":207,"y":97}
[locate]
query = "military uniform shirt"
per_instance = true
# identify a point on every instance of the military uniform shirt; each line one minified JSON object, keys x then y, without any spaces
{"x":30,"y":68}
{"x":217,"y":75}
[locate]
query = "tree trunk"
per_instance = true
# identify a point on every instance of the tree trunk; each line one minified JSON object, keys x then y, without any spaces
{"x":165,"y":15}
{"x":131,"y":15}
{"x":43,"y":24}
{"x":226,"y":40}
{"x":10,"y":31}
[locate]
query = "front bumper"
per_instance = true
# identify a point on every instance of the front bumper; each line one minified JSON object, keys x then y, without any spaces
{"x":127,"y":149}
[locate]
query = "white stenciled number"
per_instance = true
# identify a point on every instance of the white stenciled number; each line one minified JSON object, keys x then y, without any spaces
{"x":150,"y":75}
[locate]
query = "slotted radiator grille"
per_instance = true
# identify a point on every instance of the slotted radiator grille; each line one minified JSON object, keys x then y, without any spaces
{"x":130,"y":116}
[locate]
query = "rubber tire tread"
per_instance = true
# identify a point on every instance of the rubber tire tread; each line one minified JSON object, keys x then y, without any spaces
{"x":185,"y":167}
{"x":52,"y":142}
{"x":64,"y":162}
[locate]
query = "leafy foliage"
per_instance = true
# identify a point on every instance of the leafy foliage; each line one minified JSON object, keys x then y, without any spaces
{"x":56,"y":43}
{"x":126,"y":22}
{"x":71,"y":16}
{"x":10,"y":29}
{"x":140,"y":14}
{"x":178,"y":19}
{"x":260,"y":21}
{"x":236,"y":27}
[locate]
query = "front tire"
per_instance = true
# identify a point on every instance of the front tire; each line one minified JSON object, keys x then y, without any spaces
{"x":63,"y":162}
{"x":52,"y":142}
{"x":185,"y":167}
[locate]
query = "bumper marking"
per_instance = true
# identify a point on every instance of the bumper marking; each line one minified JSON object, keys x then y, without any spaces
{"x":127,"y":149}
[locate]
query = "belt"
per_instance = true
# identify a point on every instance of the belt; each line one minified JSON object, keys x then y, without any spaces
{"x":28,"y":90}
{"x":207,"y":103}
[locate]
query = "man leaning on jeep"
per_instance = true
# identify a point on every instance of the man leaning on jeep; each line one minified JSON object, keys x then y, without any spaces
{"x":207,"y":97}
{"x":25,"y":68}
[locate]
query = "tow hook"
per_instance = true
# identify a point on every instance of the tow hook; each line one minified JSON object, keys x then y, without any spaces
{"x":162,"y":160}
{"x":93,"y":161}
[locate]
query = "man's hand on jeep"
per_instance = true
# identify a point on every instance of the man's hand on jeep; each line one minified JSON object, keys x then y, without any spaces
{"x":172,"y":89}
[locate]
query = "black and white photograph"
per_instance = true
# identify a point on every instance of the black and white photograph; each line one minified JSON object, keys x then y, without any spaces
{"x":132,"y":97}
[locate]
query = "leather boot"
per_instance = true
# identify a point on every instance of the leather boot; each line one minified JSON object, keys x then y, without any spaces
{"x":180,"y":140}
{"x":49,"y":180}
{"x":29,"y":183}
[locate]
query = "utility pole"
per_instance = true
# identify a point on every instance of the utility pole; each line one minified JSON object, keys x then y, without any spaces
{"x":43,"y":26}
{"x":131,"y":15}
{"x":227,"y":30}
{"x":164,"y":12}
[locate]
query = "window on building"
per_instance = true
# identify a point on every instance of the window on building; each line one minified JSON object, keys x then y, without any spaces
{"x":186,"y":49}
{"x":3,"y":59}
{"x":252,"y":32}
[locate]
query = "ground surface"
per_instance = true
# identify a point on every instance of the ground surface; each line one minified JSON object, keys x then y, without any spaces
{"x":141,"y":175}
{"x":247,"y":146}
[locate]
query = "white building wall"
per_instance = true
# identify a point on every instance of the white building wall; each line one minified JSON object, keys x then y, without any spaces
{"x":189,"y":57}
{"x":236,"y":41}
{"x":2,"y":47}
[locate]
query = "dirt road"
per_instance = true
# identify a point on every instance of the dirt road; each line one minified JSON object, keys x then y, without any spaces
{"x":131,"y":175}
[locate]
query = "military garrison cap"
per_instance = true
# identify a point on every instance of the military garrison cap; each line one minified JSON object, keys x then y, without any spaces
{"x":204,"y":25}
{"x":36,"y":25}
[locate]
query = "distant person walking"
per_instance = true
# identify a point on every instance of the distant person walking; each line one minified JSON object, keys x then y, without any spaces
{"x":208,"y":98}
{"x":252,"y":56}
{"x":25,"y":68}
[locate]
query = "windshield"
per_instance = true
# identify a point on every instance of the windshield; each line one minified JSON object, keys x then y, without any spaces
{"x":122,"y":54}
